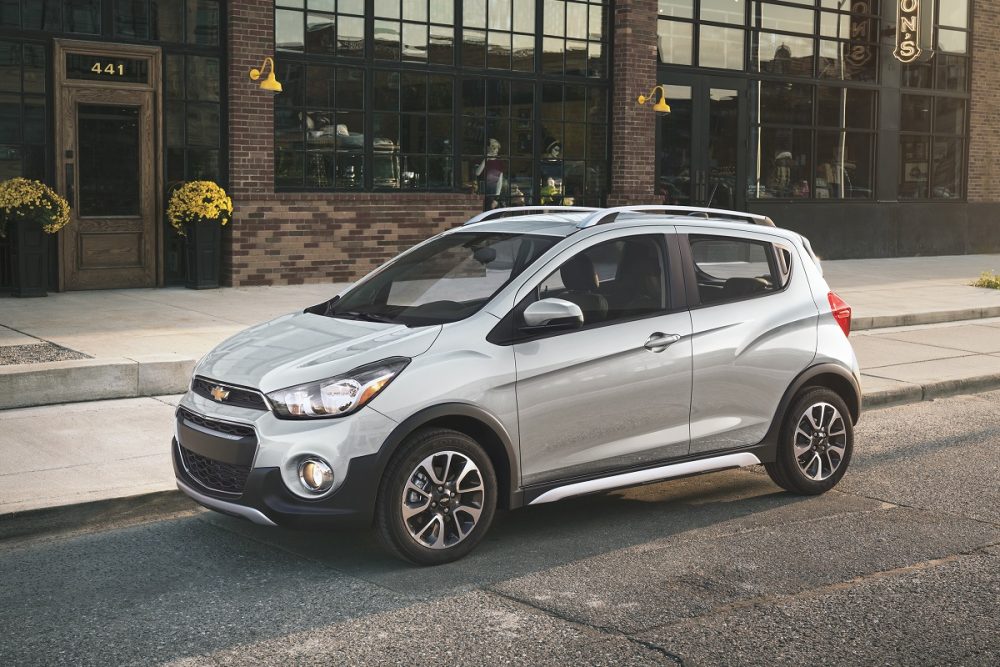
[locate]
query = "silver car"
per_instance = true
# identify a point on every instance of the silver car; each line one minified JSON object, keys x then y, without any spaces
{"x":530,"y":355}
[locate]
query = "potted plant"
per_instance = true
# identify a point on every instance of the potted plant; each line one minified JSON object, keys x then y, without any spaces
{"x":198,"y":210}
{"x":29,"y":210}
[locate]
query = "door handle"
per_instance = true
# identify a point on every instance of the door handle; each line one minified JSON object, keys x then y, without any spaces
{"x":658,"y":342}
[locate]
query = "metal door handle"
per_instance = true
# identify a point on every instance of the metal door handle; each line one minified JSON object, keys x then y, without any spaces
{"x":658,"y":342}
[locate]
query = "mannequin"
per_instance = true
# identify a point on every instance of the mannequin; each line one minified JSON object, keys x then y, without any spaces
{"x":493,"y":177}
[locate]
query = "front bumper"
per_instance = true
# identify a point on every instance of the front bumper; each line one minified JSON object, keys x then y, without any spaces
{"x":241,"y":462}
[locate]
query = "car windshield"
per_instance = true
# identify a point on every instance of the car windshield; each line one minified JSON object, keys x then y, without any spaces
{"x":445,"y":280}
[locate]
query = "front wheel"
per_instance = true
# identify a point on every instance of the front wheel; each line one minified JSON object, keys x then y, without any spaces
{"x":815,"y":445}
{"x":437,"y":497}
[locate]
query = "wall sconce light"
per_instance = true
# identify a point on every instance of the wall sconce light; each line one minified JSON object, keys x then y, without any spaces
{"x":270,"y":83}
{"x":661,"y":106}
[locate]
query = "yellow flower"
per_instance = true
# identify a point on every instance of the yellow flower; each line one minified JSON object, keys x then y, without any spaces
{"x":199,"y":201}
{"x":21,"y":198}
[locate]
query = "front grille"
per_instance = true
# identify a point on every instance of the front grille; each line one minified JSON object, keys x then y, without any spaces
{"x":238,"y":430}
{"x":244,"y":398}
{"x":215,"y":475}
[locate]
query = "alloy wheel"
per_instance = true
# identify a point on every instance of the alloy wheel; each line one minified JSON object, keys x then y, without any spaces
{"x":443,"y":499}
{"x":820,"y":441}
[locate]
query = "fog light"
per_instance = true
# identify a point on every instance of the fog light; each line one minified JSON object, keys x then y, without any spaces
{"x":315,"y":475}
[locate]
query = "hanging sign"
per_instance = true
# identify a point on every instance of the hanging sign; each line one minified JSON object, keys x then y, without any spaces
{"x":914,"y":23}
{"x":863,"y":33}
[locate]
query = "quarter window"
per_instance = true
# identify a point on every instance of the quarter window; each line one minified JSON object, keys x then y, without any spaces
{"x":728,"y":268}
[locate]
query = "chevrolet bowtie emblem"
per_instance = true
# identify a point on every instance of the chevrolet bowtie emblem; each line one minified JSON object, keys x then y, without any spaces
{"x":219,"y":394}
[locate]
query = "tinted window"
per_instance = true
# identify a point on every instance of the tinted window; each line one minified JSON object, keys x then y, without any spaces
{"x":613,"y":280}
{"x":729,"y":268}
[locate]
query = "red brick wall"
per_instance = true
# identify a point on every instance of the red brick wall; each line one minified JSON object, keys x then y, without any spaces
{"x":251,"y":110}
{"x":984,"y":144}
{"x":633,"y":133}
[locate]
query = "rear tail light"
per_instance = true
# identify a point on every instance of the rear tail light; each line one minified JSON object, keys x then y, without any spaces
{"x":841,"y":312}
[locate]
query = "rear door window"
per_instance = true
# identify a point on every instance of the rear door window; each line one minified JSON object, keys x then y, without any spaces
{"x":730,"y":268}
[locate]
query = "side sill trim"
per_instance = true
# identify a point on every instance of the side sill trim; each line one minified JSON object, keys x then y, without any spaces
{"x":651,"y":475}
{"x":256,"y":516}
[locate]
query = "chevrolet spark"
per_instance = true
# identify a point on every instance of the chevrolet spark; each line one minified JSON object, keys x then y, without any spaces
{"x":527,"y":356}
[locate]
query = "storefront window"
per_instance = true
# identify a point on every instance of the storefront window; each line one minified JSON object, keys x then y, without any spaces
{"x":482,"y":118}
{"x":23,"y":133}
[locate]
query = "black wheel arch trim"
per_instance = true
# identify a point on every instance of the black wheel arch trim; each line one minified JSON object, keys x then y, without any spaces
{"x":807,"y":377}
{"x":461,"y":411}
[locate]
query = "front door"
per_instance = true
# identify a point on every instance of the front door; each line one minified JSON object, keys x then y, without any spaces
{"x":701,"y":144}
{"x":106,"y":128}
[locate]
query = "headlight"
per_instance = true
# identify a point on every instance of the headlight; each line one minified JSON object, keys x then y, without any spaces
{"x":337,"y":396}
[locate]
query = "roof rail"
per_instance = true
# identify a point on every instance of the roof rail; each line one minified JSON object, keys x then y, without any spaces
{"x":607,"y":215}
{"x":502,"y":212}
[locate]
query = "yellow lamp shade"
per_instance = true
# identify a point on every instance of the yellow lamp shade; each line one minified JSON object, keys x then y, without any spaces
{"x":661,"y":106}
{"x":270,"y":82}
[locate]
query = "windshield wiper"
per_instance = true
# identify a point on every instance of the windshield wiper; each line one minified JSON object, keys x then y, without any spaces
{"x":366,"y":317}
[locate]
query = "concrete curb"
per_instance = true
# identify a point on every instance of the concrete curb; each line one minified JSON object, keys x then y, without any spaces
{"x":147,"y":507}
{"x":932,"y":317}
{"x":31,"y":385}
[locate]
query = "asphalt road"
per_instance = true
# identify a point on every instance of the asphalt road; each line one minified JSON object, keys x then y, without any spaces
{"x":899,"y":566}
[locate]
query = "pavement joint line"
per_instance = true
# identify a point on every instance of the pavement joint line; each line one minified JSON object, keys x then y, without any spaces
{"x":971,"y":353}
{"x":44,"y":340}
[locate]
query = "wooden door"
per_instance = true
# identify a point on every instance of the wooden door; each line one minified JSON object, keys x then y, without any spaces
{"x":108,"y":169}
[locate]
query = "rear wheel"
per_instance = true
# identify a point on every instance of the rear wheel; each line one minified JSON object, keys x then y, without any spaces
{"x":437,"y":497}
{"x":815,"y":445}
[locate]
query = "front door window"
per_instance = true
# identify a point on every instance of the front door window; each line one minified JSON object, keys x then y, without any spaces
{"x":108,"y":139}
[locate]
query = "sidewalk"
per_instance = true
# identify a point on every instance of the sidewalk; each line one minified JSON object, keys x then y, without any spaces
{"x":143,"y":343}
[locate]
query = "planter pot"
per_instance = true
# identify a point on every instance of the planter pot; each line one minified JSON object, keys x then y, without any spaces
{"x":204,"y":254}
{"x":29,"y":258}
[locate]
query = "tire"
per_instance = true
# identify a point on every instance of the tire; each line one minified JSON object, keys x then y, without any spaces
{"x":815,"y":443}
{"x":440,"y":526}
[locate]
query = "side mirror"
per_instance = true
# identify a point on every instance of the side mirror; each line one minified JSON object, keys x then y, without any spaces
{"x":551,"y":314}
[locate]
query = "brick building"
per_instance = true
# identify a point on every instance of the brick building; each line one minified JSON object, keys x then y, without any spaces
{"x":399,"y":118}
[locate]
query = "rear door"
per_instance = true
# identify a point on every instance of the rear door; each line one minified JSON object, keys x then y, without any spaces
{"x":604,"y":397}
{"x":753,"y":324}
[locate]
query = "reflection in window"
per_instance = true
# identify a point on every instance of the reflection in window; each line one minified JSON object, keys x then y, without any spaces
{"x":22,"y":110}
{"x":932,"y":147}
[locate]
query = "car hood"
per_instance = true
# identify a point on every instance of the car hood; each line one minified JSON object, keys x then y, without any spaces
{"x":303,"y":347}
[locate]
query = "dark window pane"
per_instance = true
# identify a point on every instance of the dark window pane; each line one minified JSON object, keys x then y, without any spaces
{"x":173,"y":85}
{"x":290,"y":75}
{"x":473,"y":97}
{"x":319,"y":86}
{"x":914,"y":155}
{"x":34,"y":68}
{"x":828,"y":106}
{"x":288,"y":30}
{"x":10,"y":16}
{"x":203,"y":164}
{"x":498,"y":130}
{"x":350,"y":128}
{"x":351,"y":36}
{"x":321,"y":34}
{"x":386,"y":127}
{"x":288,"y":165}
{"x":34,"y":120}
{"x":950,"y":116}
{"x":174,"y":123}
{"x":350,"y":88}
{"x":288,"y":126}
{"x":82,"y":16}
{"x":575,"y":103}
{"x":441,"y":46}
{"x":843,"y":167}
{"x":320,"y":169}
{"x":473,"y":136}
{"x":847,"y":61}
{"x":203,"y":78}
{"x":523,"y":53}
{"x":597,"y":142}
{"x":439,"y":172}
{"x":42,"y":15}
{"x":597,"y":105}
{"x":413,"y":133}
{"x":860,"y":109}
{"x":34,"y":162}
{"x":132,"y":18}
{"x":440,"y":94}
{"x":596,"y":66}
{"x":576,"y":58}
{"x":786,"y":104}
{"x":413,"y":92}
{"x":915,"y":113}
{"x":552,"y":97}
{"x":10,"y":66}
{"x":10,"y":162}
{"x":951,"y":72}
{"x":10,"y":119}
{"x":521,"y":188}
{"x":946,"y":169}
{"x":175,"y":167}
{"x":387,"y":40}
{"x":108,"y":160}
{"x":574,"y":141}
{"x":474,"y":48}
{"x":497,"y":97}
{"x":203,"y":22}
{"x":787,"y":162}
{"x":439,"y":130}
{"x":168,"y":20}
{"x":202,"y":124}
{"x":386,"y":93}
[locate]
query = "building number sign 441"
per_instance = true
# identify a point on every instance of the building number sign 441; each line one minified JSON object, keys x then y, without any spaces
{"x":114,"y":69}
